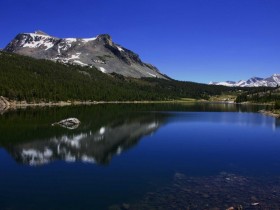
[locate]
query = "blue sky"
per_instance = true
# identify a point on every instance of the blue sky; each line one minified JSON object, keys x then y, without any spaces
{"x":190,"y":40}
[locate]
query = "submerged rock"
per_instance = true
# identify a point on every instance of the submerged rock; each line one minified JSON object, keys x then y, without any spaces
{"x":214,"y":193}
{"x":69,"y":123}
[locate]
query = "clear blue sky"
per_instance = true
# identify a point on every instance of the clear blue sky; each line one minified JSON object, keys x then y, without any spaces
{"x":191,"y":40}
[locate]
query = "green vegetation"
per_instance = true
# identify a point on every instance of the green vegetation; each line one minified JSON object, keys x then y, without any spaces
{"x":260,"y":95}
{"x":25,"y":78}
{"x":263,"y":95}
{"x":277,"y":104}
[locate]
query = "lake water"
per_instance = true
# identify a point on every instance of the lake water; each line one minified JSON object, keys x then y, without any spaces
{"x":196,"y":156}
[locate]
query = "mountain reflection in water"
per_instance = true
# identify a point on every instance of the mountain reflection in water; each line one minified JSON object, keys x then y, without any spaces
{"x":89,"y":145}
{"x":106,"y":130}
{"x":200,"y":156}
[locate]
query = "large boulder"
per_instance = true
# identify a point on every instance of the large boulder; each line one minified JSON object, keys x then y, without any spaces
{"x":69,"y":123}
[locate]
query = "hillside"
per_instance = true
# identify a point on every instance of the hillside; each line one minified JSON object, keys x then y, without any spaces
{"x":25,"y":78}
{"x":260,"y":95}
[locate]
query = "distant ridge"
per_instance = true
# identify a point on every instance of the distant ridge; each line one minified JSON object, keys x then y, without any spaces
{"x":272,"y":81}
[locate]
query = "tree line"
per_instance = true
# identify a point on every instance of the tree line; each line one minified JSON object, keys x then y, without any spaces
{"x":261,"y":95}
{"x":33,"y":80}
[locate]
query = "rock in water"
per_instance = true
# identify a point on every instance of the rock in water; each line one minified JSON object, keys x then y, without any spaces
{"x":69,"y":123}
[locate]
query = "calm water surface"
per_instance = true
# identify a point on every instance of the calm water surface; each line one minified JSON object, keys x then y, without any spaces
{"x":120,"y":153}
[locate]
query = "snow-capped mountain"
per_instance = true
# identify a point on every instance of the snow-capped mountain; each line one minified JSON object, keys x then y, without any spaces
{"x":272,"y":81}
{"x":99,"y":51}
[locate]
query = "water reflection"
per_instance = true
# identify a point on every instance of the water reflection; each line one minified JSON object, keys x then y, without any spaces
{"x":91,"y":146}
{"x":277,"y":123}
{"x":106,"y":130}
{"x":210,"y":151}
{"x":250,"y":119}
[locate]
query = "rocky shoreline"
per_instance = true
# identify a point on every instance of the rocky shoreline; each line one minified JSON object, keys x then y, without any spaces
{"x":270,"y":113}
{"x":6,"y":104}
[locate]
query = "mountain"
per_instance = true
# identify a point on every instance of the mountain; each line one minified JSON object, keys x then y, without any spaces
{"x":100,"y":52}
{"x":272,"y":81}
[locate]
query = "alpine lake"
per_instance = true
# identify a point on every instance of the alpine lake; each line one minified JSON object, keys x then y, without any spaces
{"x":140,"y":156}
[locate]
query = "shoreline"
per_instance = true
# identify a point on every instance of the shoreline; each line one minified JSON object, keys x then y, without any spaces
{"x":6,"y":104}
{"x":270,"y":113}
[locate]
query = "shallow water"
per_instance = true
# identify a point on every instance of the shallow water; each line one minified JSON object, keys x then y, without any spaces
{"x":122,"y":153}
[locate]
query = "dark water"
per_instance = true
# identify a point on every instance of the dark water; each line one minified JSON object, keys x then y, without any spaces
{"x":119,"y":153}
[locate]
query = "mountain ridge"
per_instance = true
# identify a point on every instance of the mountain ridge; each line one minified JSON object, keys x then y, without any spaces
{"x":100,"y":52}
{"x":272,"y":81}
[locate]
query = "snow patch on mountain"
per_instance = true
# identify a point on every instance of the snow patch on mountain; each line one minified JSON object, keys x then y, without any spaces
{"x":102,"y":69}
{"x":70,"y":40}
{"x":120,"y":49}
{"x":151,"y":74}
{"x":89,"y":39}
{"x":80,"y":63}
{"x":272,"y":81}
{"x":75,"y":56}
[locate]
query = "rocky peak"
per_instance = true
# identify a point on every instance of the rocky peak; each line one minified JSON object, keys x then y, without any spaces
{"x":253,"y":80}
{"x":106,"y":38}
{"x":100,"y":52}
